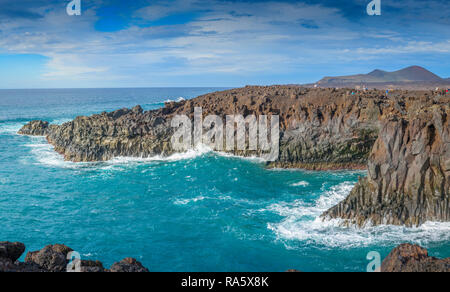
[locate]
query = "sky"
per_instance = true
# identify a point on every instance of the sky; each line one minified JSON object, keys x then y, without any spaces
{"x":223,"y":43}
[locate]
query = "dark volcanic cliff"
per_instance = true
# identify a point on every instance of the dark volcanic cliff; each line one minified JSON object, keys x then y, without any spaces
{"x":403,"y":138}
{"x":409,"y":173}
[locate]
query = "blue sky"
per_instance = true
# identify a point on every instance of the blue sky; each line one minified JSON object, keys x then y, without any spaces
{"x":118,"y":43}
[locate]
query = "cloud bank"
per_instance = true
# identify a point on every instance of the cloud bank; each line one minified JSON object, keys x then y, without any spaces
{"x":218,"y":43}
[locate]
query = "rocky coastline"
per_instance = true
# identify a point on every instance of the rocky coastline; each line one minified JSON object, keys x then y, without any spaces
{"x":54,"y":259}
{"x":402,"y":139}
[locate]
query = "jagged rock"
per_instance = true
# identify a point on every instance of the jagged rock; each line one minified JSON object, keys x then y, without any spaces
{"x":11,"y":250}
{"x":128,"y":265}
{"x":92,"y":267}
{"x":321,"y":129}
{"x":35,"y":128}
{"x":52,"y":258}
{"x":413,"y":258}
{"x":408,"y":182}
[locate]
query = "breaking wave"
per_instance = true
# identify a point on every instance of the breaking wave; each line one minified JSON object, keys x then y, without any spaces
{"x":10,"y":127}
{"x":180,"y":99}
{"x":300,"y":184}
{"x":302,"y":223}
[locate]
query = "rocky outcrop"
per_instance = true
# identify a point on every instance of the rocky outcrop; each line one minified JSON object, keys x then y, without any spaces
{"x":101,"y":137}
{"x":402,"y":139}
{"x":128,"y":265}
{"x":53,"y":258}
{"x":409,"y":173}
{"x":413,"y":258}
{"x":35,"y":128}
{"x":11,"y":250}
{"x":320,"y":129}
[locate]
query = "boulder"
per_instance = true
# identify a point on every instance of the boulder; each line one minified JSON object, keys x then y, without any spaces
{"x":11,"y":250}
{"x":92,"y":267}
{"x":52,"y":258}
{"x":35,"y":128}
{"x":413,"y":258}
{"x":128,"y":265}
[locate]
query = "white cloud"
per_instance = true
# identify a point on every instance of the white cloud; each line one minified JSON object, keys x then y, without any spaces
{"x":236,"y":38}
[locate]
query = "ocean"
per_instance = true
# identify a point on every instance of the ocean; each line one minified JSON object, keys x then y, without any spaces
{"x":197,"y":211}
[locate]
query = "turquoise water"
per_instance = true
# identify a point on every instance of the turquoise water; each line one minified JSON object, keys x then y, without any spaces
{"x":198,"y":211}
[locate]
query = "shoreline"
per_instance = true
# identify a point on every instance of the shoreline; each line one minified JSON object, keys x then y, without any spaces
{"x":399,"y":139}
{"x":317,"y":166}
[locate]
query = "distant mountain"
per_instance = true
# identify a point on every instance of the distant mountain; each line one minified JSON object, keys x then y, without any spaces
{"x":413,"y":77}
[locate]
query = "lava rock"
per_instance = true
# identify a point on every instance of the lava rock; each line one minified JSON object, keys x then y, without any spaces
{"x":128,"y":265}
{"x":11,"y":250}
{"x":92,"y":267}
{"x":52,"y":258}
{"x":35,"y":128}
{"x":413,"y":258}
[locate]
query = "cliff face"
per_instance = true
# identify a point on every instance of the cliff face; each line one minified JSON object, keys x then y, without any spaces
{"x":403,"y":140}
{"x":320,"y":129}
{"x":409,"y":173}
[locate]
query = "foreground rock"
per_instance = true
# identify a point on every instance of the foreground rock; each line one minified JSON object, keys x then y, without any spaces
{"x":11,"y":250}
{"x":128,"y":265}
{"x":53,"y":258}
{"x":403,"y":140}
{"x":413,"y":258}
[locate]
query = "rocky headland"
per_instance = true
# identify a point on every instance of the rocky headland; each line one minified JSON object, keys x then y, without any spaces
{"x":54,"y":259}
{"x":402,"y":139}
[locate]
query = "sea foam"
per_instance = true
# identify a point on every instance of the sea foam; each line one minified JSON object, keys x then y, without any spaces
{"x":300,"y":184}
{"x":10,"y":127}
{"x":302,"y":224}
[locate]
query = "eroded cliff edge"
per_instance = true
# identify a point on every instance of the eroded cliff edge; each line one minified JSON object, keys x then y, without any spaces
{"x":403,"y":138}
{"x":408,"y":180}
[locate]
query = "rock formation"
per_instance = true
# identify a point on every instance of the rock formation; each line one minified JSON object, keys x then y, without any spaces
{"x":409,"y":173}
{"x":413,"y":258}
{"x":403,"y":138}
{"x":53,"y":258}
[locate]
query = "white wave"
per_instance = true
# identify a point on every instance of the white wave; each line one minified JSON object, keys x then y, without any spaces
{"x":300,"y":184}
{"x":302,"y":223}
{"x":180,"y":99}
{"x":255,"y":159}
{"x":187,"y":201}
{"x":61,"y":121}
{"x":218,"y":198}
{"x":45,"y":154}
{"x":190,"y":154}
{"x":10,"y":128}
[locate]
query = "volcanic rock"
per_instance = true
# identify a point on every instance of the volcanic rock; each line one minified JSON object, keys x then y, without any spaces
{"x":52,"y":258}
{"x":128,"y":265}
{"x":413,"y":258}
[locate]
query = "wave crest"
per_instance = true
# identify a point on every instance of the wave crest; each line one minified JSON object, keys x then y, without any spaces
{"x":302,"y":223}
